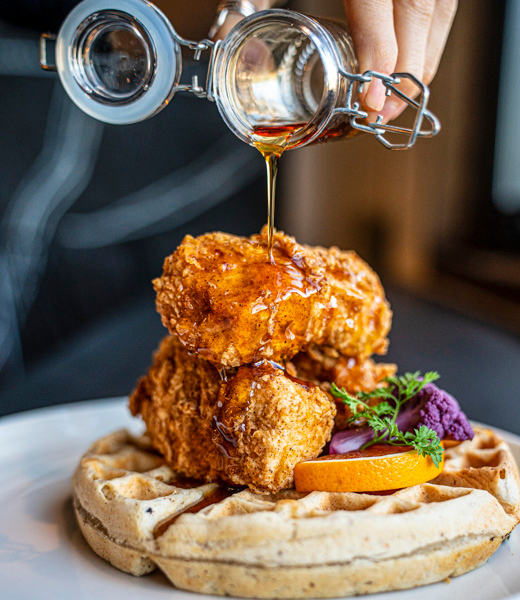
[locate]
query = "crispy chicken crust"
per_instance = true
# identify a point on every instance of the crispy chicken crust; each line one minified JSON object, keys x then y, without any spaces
{"x":177,"y":399}
{"x":250,"y":429}
{"x":225,"y":301}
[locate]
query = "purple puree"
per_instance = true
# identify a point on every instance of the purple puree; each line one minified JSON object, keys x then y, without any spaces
{"x":431,"y":407}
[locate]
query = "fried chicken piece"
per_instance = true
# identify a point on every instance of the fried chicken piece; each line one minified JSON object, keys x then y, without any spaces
{"x":267,"y":422}
{"x":249,"y":430}
{"x":325,"y":365}
{"x":224,"y":300}
{"x":177,"y":399}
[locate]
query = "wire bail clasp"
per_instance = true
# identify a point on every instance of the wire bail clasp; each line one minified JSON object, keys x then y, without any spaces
{"x":198,"y":48}
{"x":378,"y":128}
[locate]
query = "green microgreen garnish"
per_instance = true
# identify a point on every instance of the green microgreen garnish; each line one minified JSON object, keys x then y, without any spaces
{"x":382,"y":417}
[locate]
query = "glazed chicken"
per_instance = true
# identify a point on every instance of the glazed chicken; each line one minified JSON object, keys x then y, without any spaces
{"x":225,"y":301}
{"x":240,"y":390}
{"x":250,"y":429}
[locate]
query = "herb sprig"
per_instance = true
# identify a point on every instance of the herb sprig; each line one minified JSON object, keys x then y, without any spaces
{"x":382,"y":417}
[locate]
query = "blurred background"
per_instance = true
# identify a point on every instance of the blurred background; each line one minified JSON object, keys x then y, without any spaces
{"x":88,"y":211}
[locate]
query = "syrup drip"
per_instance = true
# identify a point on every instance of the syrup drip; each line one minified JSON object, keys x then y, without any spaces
{"x":213,"y":497}
{"x":272,"y":363}
{"x":187,"y":483}
{"x":308,"y":385}
{"x":227,"y":433}
{"x":271,"y":142}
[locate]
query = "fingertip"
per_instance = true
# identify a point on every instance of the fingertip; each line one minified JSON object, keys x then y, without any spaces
{"x":375,"y":96}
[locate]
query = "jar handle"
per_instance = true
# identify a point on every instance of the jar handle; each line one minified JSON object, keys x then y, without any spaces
{"x":379,"y":129}
{"x":45,"y":63}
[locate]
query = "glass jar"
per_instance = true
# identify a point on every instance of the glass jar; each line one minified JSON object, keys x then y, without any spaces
{"x":277,"y":72}
{"x":282,"y":69}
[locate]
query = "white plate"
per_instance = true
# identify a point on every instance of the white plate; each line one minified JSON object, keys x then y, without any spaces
{"x":42,"y":553}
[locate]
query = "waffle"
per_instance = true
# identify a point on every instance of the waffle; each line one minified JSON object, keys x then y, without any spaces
{"x":130,"y":505}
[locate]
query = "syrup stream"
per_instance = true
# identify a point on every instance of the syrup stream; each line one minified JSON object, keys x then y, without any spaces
{"x":271,"y":142}
{"x":271,"y":163}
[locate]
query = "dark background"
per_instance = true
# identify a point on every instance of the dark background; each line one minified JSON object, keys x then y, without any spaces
{"x":88,"y":211}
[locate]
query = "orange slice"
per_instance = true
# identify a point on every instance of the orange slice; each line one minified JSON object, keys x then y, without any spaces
{"x":380,"y":467}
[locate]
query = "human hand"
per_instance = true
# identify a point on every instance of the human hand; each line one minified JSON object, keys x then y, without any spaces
{"x":398,"y":36}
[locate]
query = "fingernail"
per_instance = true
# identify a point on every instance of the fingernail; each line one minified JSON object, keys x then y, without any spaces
{"x":372,"y":116}
{"x":375,"y":97}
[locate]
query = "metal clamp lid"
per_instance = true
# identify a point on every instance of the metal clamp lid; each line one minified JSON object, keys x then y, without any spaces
{"x":378,"y":128}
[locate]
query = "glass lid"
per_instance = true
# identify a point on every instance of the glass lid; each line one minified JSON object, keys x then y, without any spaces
{"x":119,"y":60}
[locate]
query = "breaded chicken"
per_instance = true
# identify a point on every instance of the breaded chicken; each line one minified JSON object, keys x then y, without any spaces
{"x":267,"y":422}
{"x":177,"y":399}
{"x":224,"y":300}
{"x":250,"y":429}
{"x":324,"y":365}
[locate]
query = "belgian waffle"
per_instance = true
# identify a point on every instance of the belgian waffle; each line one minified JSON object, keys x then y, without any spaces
{"x":132,"y":510}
